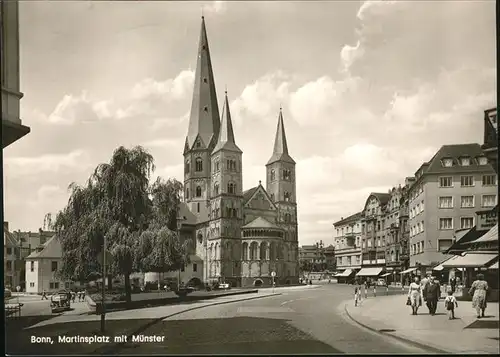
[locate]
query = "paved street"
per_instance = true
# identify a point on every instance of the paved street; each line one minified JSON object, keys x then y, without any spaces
{"x":298,"y":320}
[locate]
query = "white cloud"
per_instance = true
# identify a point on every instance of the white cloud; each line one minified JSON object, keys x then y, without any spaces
{"x":77,"y":160}
{"x":215,"y":7}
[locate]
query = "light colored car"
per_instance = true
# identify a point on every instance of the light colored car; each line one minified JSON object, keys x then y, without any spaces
{"x":381,"y":282}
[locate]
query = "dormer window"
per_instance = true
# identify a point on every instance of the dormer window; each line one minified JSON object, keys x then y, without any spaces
{"x":465,"y":161}
{"x":482,"y":160}
{"x":448,"y":162}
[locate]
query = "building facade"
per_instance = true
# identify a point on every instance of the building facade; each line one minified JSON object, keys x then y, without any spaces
{"x":41,"y":268}
{"x":348,"y":242}
{"x":374,"y":239}
{"x":391,"y":222}
{"x":317,"y":257}
{"x":241,"y":236}
{"x":12,"y":128}
{"x":449,"y":189}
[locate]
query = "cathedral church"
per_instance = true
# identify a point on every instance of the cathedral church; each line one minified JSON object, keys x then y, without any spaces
{"x":241,"y":237}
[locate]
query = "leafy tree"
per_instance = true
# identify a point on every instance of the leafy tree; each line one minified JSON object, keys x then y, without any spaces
{"x":137,"y":219}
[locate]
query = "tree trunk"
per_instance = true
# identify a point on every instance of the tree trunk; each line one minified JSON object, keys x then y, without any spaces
{"x":128,"y":290}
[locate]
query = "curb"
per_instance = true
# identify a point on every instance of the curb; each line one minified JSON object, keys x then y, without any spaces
{"x":93,"y":305}
{"x":401,"y":339}
{"x":117,"y":346}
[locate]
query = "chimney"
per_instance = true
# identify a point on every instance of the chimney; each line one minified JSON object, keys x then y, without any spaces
{"x":6,"y":226}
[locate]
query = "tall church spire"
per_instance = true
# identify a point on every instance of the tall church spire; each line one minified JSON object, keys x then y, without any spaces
{"x":280,"y":152}
{"x":204,"y":118}
{"x":226,"y":134}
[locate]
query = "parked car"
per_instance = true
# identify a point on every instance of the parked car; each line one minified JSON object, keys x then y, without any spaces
{"x":381,"y":282}
{"x":60,"y":301}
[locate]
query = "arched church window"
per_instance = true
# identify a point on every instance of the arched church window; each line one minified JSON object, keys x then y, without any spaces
{"x":198,"y":144}
{"x":287,"y":175}
{"x":199,"y":165}
{"x":187,"y":167}
{"x":187,"y":193}
{"x":198,"y":191}
{"x":287,"y":196}
{"x":272,"y":197}
{"x":216,"y":189}
{"x":273,"y":175}
{"x":231,"y":188}
{"x":200,"y":238}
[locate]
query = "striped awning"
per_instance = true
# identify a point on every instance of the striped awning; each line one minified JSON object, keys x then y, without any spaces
{"x":369,"y":272}
{"x":494,"y":266}
{"x":470,"y":260}
{"x":408,"y":270}
{"x":490,"y":236}
{"x":384,"y":275}
{"x":440,"y":266}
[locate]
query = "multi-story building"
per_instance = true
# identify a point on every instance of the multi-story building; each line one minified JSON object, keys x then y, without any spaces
{"x":316,"y":256}
{"x":12,"y":128}
{"x":330,"y":260}
{"x":449,"y":189}
{"x":490,"y":144}
{"x":374,"y":232}
{"x":348,"y":242}
{"x":404,"y":228}
{"x":391,"y":222}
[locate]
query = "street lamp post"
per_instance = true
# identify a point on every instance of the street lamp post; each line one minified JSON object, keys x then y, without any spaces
{"x":103,"y":291}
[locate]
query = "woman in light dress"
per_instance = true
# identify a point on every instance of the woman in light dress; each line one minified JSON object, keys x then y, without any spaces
{"x":414,"y":294}
{"x":478,"y":290}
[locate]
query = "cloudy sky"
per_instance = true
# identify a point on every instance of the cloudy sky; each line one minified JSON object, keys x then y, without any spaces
{"x":369,"y":91}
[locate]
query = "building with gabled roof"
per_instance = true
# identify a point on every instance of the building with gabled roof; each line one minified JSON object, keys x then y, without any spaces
{"x":42,"y":266}
{"x":242,"y":236}
{"x":347,"y":243}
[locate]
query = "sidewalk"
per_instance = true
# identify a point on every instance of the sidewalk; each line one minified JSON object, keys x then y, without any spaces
{"x":390,"y":315}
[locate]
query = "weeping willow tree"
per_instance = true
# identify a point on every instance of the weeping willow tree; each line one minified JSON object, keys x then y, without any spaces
{"x":119,"y":203}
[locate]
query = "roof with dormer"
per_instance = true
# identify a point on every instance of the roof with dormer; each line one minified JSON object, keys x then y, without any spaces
{"x":260,"y":222}
{"x":280,"y":151}
{"x":455,"y":152}
{"x":204,"y":117}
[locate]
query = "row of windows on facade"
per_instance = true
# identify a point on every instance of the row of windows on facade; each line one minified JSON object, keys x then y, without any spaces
{"x":252,"y":252}
{"x":348,"y":260}
{"x":231,"y":165}
{"x":468,"y":181}
{"x":463,"y":161}
{"x":348,"y":229}
{"x":445,"y":223}
{"x":53,"y":266}
{"x":467,"y":201}
{"x":231,"y":189}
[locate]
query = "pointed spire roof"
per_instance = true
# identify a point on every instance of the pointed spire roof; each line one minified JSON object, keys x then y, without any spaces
{"x":204,"y":118}
{"x":226,"y":134}
{"x":280,"y":152}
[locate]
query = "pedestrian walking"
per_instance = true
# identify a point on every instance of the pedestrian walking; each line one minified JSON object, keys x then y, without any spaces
{"x":450,"y":302}
{"x":479,"y":291}
{"x":357,"y":295}
{"x":367,"y":285}
{"x":73,"y":296}
{"x":432,"y":293}
{"x":374,"y":289}
{"x":44,"y":295}
{"x":453,"y":283}
{"x":414,"y":296}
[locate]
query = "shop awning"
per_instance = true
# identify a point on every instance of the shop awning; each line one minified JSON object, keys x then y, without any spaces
{"x":384,"y":275}
{"x":490,"y":236}
{"x":471,"y":260}
{"x":369,"y":272}
{"x":440,"y":266}
{"x":494,"y":266}
{"x":408,"y":270}
{"x":346,"y":273}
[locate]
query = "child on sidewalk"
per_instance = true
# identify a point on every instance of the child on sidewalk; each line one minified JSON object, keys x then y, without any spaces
{"x":450,"y":302}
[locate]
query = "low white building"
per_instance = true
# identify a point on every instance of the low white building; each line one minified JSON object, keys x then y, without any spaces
{"x":191,"y":274}
{"x":41,"y":267}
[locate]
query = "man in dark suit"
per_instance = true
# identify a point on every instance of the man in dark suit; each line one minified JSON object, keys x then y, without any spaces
{"x":432,"y":293}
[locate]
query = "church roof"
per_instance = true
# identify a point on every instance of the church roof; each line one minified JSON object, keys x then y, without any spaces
{"x":280,"y":151}
{"x":51,"y":249}
{"x":226,"y":134}
{"x":185,"y":215}
{"x":204,"y":118}
{"x":260,"y":222}
{"x":249,"y":193}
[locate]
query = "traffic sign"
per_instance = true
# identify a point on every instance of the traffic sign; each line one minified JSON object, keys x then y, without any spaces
{"x":18,"y":288}
{"x":273,"y":274}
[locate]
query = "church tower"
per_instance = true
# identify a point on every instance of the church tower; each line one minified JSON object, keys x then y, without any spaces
{"x":281,"y":186}
{"x":202,"y":133}
{"x":226,"y":204}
